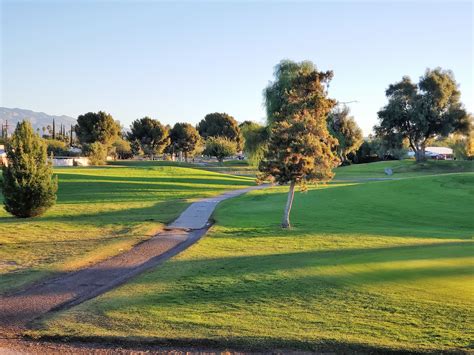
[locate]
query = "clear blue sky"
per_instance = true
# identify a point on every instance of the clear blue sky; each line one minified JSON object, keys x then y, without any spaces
{"x":177,"y":61}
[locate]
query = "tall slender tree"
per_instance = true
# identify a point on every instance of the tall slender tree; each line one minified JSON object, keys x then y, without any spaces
{"x":343,"y":127}
{"x":300,"y":148}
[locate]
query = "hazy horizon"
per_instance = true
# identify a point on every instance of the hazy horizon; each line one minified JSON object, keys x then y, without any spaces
{"x":179,"y":61}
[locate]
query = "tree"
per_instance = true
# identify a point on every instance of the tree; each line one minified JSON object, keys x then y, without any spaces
{"x":345,"y":129}
{"x":29,"y":188}
{"x":220,"y":125}
{"x":300,"y":148}
{"x":55,"y":147}
{"x":420,"y":112}
{"x":220,"y":147}
{"x":122,"y":148}
{"x":151,"y":134}
{"x":255,"y":138}
{"x":184,"y":138}
{"x":97,"y":127}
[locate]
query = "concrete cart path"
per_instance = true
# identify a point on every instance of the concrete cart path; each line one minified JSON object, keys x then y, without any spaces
{"x":69,"y":289}
{"x":197,"y":215}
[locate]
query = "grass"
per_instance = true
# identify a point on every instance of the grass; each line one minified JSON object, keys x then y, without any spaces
{"x":368,"y":265}
{"x":403,"y":169}
{"x":100,"y":212}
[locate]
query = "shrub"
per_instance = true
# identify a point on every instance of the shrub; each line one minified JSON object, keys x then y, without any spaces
{"x":96,"y":152}
{"x":28,"y":185}
{"x":220,"y":148}
{"x":57,"y":148}
{"x":122,"y":149}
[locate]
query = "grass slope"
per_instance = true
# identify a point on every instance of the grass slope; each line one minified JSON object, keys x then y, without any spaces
{"x":375,"y":265}
{"x":403,"y":169}
{"x":100,"y":212}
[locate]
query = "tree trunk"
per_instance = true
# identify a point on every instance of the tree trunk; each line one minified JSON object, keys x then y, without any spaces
{"x":420,"y":154}
{"x":186,"y":157}
{"x":285,"y":223}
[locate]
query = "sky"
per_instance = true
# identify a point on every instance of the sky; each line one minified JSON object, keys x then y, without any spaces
{"x":178,"y":61}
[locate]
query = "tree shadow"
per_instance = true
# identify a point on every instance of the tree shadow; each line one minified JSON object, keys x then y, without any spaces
{"x":232,"y":280}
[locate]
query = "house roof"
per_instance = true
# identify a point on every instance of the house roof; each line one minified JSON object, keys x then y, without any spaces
{"x":439,"y":150}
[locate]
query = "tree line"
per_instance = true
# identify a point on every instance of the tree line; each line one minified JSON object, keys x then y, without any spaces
{"x":218,"y":135}
{"x":307,"y":134}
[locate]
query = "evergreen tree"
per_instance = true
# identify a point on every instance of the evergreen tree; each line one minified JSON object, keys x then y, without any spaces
{"x":29,"y":188}
{"x":300,"y":148}
{"x":152,"y":135}
{"x":184,"y":138}
{"x":422,"y":111}
{"x":344,"y":128}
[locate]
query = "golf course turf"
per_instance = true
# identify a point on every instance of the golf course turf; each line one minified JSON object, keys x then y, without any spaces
{"x":100,"y":212}
{"x":367,"y":265}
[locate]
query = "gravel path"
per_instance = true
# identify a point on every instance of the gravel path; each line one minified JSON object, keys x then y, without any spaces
{"x":69,"y":289}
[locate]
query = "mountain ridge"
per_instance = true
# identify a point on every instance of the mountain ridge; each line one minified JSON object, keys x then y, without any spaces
{"x":38,"y":119}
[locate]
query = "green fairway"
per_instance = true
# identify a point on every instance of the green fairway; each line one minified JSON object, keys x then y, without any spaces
{"x":403,"y":169}
{"x":100,"y":212}
{"x":380,"y":264}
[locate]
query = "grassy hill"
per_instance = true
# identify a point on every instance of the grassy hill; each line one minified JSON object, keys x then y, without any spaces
{"x":368,"y":266}
{"x":100,"y":212}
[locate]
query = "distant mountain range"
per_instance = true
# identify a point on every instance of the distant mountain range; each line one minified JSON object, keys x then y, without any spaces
{"x":38,"y":119}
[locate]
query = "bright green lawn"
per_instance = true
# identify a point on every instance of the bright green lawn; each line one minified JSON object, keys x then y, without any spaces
{"x":403,"y":168}
{"x":385,"y":264}
{"x":100,"y":212}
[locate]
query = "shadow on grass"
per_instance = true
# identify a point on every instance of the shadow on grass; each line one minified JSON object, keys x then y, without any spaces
{"x":161,"y":212}
{"x":266,"y":345}
{"x":281,"y":276}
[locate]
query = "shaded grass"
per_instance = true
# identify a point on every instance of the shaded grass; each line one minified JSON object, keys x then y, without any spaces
{"x":378,"y":265}
{"x":99,"y":213}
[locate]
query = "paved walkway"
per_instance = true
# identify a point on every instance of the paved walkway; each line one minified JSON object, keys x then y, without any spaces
{"x":69,"y":289}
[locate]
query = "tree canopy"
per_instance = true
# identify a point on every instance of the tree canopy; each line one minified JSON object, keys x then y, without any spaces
{"x":423,"y":111}
{"x":220,"y":125}
{"x":28,"y":186}
{"x":345,"y":129}
{"x":255,"y":137}
{"x":97,"y":127}
{"x":152,"y":135}
{"x":184,"y":138}
{"x":220,"y":147}
{"x":300,"y":148}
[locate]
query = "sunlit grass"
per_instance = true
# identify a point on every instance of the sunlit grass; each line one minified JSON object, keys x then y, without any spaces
{"x":100,"y":212}
{"x":368,"y":265}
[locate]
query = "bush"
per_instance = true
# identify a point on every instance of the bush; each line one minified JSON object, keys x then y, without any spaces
{"x":220,"y":148}
{"x":57,"y":148}
{"x":122,"y":149}
{"x":96,"y":152}
{"x":28,"y":185}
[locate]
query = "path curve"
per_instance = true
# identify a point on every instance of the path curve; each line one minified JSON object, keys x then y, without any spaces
{"x":17,"y":310}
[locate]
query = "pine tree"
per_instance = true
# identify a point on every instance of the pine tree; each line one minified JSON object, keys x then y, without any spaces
{"x":300,"y":148}
{"x":29,"y":188}
{"x":54,"y":129}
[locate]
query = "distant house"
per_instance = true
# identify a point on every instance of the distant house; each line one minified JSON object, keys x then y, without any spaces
{"x":438,"y":153}
{"x":56,"y":161}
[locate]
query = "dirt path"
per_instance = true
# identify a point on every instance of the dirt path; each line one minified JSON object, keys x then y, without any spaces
{"x":69,"y":289}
